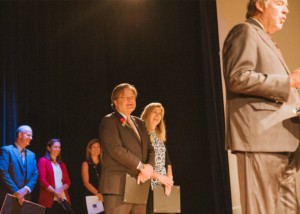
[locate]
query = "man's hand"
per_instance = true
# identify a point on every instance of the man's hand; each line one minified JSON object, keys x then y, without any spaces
{"x":295,"y":78}
{"x":141,"y":178}
{"x":147,"y":171}
{"x":20,"y":194}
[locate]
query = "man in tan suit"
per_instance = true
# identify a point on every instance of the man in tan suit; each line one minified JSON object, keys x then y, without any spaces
{"x":126,"y":149}
{"x":262,"y":101}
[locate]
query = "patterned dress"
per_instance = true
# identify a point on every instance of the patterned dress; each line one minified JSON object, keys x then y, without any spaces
{"x":161,"y":162}
{"x":160,"y":158}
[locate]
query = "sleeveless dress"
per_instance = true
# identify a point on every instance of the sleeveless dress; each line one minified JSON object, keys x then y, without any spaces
{"x":94,"y":171}
{"x":161,"y":162}
{"x":94,"y":175}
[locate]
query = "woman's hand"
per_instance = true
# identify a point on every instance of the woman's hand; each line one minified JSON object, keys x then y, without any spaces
{"x":168,"y":190}
{"x":165,"y":180}
{"x":58,"y":192}
{"x":100,"y":197}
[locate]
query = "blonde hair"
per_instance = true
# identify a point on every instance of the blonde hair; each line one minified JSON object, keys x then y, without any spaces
{"x":88,"y":157}
{"x":161,"y":127}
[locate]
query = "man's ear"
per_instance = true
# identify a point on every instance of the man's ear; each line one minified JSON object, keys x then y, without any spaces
{"x":259,"y":6}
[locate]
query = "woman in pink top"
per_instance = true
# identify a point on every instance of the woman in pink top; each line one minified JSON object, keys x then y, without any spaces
{"x":53,"y":178}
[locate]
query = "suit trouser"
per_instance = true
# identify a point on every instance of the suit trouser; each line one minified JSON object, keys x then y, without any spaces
{"x":114,"y":205}
{"x":267,"y":183}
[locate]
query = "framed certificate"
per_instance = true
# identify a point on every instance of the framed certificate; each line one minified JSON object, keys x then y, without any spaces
{"x":134,"y":193}
{"x":12,"y":206}
{"x":166,"y":204}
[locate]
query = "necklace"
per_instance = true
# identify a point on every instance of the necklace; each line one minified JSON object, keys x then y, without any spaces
{"x":95,"y":168}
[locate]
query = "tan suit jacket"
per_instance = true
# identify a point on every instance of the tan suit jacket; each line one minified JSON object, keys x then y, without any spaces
{"x":260,"y":102}
{"x":122,"y":151}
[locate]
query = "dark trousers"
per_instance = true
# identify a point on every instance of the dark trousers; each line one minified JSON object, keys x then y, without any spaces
{"x":56,"y":209}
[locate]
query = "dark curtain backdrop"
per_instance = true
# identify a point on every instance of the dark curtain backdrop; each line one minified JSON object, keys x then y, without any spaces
{"x":61,"y":59}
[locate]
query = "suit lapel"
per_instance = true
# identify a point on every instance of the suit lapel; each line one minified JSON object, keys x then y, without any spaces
{"x":267,"y":39}
{"x":272,"y":45}
{"x":128,"y":128}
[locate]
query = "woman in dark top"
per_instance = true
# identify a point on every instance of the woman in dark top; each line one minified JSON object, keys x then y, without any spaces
{"x":91,"y":169}
{"x":153,"y":116}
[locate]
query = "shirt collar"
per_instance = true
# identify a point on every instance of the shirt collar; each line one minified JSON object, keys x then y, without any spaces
{"x":123,"y":115}
{"x":19,"y":148}
{"x":258,"y":22}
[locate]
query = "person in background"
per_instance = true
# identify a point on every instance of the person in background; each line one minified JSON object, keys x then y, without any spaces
{"x":53,"y":178}
{"x":126,"y":149}
{"x":18,"y":171}
{"x":91,"y":169}
{"x":153,"y":116}
{"x":262,"y":101}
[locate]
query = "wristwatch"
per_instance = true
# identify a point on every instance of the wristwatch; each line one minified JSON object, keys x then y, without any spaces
{"x":141,"y":166}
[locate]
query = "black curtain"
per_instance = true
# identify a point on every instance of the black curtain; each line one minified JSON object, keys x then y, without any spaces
{"x":61,"y":60}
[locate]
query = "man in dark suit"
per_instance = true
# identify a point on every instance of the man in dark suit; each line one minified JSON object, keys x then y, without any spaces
{"x":18,"y":170}
{"x":126,"y":149}
{"x":262,"y":101}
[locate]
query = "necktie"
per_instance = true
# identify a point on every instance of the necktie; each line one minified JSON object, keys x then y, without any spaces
{"x":23,"y":155}
{"x":133,"y":127}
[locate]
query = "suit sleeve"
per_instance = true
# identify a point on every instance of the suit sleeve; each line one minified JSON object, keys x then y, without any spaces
{"x":112,"y":143}
{"x":5,"y":177}
{"x":241,"y":56}
{"x":32,"y":179}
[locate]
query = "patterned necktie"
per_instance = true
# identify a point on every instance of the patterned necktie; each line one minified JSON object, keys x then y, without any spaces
{"x":133,"y":127}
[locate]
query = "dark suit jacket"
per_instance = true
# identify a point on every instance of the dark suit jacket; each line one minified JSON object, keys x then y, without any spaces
{"x":14,"y":175}
{"x":259,"y":98}
{"x":122,"y":151}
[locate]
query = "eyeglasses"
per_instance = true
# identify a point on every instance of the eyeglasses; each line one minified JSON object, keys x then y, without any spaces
{"x":128,"y":98}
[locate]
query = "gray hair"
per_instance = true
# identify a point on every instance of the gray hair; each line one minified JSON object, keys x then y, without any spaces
{"x":23,"y":128}
{"x":251,"y":8}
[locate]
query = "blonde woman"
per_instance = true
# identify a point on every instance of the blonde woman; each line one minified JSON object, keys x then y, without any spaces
{"x":153,"y":116}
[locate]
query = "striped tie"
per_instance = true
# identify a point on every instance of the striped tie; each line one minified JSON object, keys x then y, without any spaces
{"x":133,"y":127}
